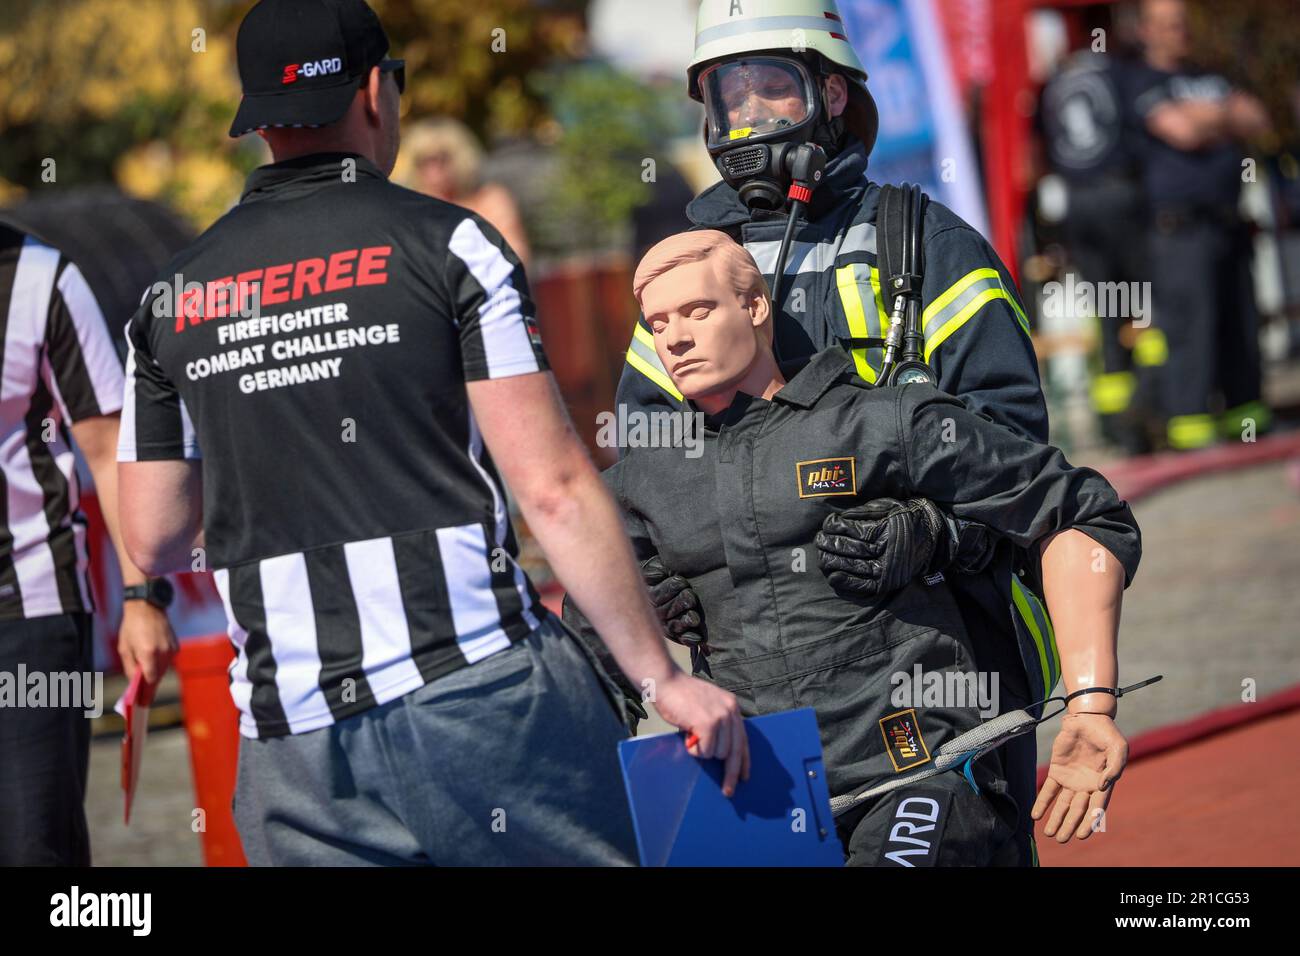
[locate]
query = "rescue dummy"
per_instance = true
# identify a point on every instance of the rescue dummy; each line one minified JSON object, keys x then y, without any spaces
{"x":895,"y":674}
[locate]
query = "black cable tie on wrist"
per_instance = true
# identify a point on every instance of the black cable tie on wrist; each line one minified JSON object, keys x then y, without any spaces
{"x":1116,"y":692}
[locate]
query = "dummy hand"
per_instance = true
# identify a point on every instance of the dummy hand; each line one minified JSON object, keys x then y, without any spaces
{"x":878,"y":547}
{"x":1088,"y":756}
{"x":675,"y":604}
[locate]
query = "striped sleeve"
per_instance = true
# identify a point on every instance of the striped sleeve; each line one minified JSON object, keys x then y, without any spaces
{"x":86,"y":373}
{"x":155,"y":423}
{"x":494,"y":314}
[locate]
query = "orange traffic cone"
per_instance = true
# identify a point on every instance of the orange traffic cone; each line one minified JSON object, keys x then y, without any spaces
{"x":212,"y":725}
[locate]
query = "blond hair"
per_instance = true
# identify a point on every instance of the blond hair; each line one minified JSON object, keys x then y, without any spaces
{"x":453,"y":139}
{"x":696,"y":246}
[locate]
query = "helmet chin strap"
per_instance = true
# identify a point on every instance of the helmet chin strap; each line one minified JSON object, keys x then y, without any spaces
{"x":829,"y":132}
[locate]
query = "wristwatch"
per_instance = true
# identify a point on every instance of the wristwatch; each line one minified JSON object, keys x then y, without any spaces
{"x":157,"y":591}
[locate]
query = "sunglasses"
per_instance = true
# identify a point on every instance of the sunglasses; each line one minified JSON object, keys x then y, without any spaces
{"x":395,"y":67}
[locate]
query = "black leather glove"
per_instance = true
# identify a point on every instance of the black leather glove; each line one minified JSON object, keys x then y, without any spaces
{"x":877,"y":548}
{"x":675,"y":604}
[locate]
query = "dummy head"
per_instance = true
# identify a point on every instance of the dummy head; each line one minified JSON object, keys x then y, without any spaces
{"x":707,"y":305}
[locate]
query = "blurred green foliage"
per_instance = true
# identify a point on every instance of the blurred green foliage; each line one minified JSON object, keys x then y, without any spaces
{"x":127,"y":91}
{"x":470,"y":59}
{"x":613,"y":136}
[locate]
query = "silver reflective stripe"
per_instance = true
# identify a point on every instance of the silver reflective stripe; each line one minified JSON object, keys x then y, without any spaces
{"x":936,"y":321}
{"x":813,"y":256}
{"x":877,"y":324}
{"x":648,"y":355}
{"x":757,"y":24}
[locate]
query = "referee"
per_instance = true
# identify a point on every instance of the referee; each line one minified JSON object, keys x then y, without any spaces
{"x":356,"y":362}
{"x":60,"y":382}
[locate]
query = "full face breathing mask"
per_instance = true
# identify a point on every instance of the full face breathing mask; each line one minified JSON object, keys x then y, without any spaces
{"x":759,"y":111}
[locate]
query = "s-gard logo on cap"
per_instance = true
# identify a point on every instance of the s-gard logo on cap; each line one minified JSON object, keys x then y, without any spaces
{"x":312,"y":68}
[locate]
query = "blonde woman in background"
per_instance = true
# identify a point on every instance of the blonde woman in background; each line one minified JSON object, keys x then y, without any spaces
{"x":445,"y":161}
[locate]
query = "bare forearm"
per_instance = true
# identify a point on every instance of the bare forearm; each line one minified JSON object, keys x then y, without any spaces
{"x":104,"y":470}
{"x":161,"y":513}
{"x":1083,"y":584}
{"x":1190,"y":125}
{"x":1247,"y":117}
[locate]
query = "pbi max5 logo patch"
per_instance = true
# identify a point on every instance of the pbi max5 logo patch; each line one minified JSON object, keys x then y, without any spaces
{"x":903,"y":741}
{"x":311,"y":68}
{"x":824,"y":477}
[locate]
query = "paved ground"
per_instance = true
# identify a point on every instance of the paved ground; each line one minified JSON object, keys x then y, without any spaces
{"x":1216,"y":603}
{"x":159,"y":834}
{"x":1188,"y":807}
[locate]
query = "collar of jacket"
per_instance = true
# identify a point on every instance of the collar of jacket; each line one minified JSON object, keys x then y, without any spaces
{"x":744,"y":409}
{"x":803,"y":390}
{"x":312,"y":171}
{"x":822,"y":371}
{"x":845,"y":181}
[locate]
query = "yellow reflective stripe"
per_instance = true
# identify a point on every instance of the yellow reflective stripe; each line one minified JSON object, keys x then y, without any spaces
{"x":961,"y":318}
{"x":1151,"y":348}
{"x":1018,"y":596}
{"x":947,"y":313}
{"x":957,"y":288}
{"x":1051,"y":639}
{"x":1234,"y":419}
{"x":1112,"y":392}
{"x":851,"y":299}
{"x":1020,"y":313}
{"x":1192,"y":431}
{"x":649,"y":365}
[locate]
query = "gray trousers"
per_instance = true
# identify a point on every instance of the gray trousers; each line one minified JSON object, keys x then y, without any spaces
{"x":509,"y":761}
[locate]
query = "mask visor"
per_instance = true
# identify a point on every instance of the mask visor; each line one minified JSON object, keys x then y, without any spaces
{"x":755,"y":99}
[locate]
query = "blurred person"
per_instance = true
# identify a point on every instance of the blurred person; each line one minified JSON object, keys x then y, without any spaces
{"x":62,"y":384}
{"x":1192,"y":123}
{"x":447,"y":164}
{"x":118,"y":241}
{"x":766,"y":100}
{"x":330,"y":419}
{"x":1089,"y":144}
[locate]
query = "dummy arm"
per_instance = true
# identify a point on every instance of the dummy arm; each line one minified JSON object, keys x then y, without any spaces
{"x":1083,"y":585}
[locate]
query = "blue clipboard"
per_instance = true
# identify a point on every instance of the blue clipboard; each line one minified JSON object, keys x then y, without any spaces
{"x":781,"y":816}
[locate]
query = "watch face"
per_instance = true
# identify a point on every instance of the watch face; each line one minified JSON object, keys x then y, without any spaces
{"x":161,"y":591}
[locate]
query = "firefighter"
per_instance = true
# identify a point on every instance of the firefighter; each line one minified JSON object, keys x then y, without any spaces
{"x":1191,"y":123}
{"x":774,"y":75}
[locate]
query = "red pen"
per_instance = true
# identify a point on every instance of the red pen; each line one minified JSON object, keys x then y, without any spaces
{"x":691,"y":740}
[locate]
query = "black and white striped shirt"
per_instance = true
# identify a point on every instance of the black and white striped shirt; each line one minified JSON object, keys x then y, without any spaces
{"x":356,"y":524}
{"x":58,"y":366}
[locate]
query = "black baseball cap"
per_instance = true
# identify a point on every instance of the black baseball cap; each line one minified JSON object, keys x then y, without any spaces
{"x":301,"y":61}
